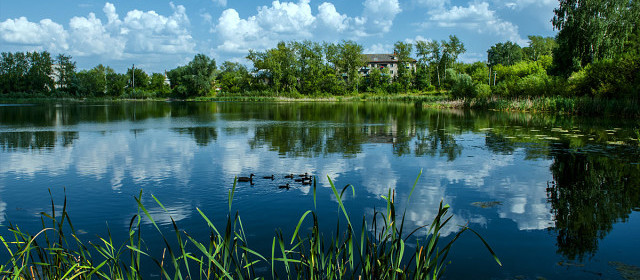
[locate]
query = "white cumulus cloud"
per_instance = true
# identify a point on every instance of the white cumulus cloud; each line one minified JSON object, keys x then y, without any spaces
{"x":476,"y":17}
{"x":379,"y":15}
{"x":280,"y":21}
{"x":90,"y":37}
{"x":138,"y":32}
{"x":331,"y":18}
{"x":46,"y":33}
{"x":287,"y":18}
{"x":283,"y":21}
{"x":151,"y":32}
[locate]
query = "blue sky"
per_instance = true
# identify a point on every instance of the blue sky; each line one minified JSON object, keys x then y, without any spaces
{"x":158,"y":35}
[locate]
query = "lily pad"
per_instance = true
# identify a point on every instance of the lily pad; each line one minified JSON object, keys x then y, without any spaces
{"x":486,"y":204}
{"x":626,"y":271}
{"x":569,"y":263}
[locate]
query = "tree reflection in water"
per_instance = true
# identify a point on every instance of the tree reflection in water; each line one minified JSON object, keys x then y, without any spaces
{"x":590,"y":193}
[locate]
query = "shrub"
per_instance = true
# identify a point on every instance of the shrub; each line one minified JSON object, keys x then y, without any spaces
{"x":483,"y":90}
{"x":463,"y":86}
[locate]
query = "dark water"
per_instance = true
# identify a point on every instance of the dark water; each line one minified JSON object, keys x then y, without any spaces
{"x":556,"y":196}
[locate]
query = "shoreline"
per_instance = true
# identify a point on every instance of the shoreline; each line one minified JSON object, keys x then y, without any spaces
{"x":581,"y":106}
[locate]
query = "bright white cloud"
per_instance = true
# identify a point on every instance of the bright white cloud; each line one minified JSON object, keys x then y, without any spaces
{"x":287,"y":18}
{"x":476,"y":17}
{"x":46,"y":33}
{"x":280,"y":21}
{"x":139,"y":32}
{"x":379,"y":15}
{"x":296,"y":21}
{"x":238,"y":35}
{"x":329,"y":17}
{"x":151,"y":32}
{"x":90,"y":37}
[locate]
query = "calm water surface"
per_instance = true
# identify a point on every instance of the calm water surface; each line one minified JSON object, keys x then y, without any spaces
{"x":556,"y":196}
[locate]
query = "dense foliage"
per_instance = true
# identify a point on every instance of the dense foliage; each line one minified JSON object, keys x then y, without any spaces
{"x":595,"y":54}
{"x":592,"y":30}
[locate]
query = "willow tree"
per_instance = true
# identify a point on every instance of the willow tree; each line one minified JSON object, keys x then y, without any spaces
{"x":590,"y":30}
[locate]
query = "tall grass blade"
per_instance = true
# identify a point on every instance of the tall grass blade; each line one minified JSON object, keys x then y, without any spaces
{"x":414,"y":185}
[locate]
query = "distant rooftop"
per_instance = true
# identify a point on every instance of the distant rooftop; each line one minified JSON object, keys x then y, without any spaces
{"x":383,"y":58}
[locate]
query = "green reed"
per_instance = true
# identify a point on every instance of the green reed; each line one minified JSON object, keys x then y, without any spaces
{"x":55,"y":252}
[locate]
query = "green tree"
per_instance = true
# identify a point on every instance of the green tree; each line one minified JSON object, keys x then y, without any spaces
{"x":157,"y":84}
{"x":422,"y":77}
{"x":233,"y":77}
{"x":430,"y":53}
{"x":590,"y":30}
{"x":440,"y":55}
{"x":66,"y":69}
{"x":402,"y":51}
{"x":138,"y":79}
{"x":13,"y":70}
{"x":310,"y":66}
{"x":538,"y":47}
{"x":506,"y":54}
{"x":350,"y":60}
{"x":39,"y":74}
{"x":279,"y":64}
{"x":453,"y":48}
{"x":116,"y":83}
{"x":92,"y":82}
{"x":195,"y":78}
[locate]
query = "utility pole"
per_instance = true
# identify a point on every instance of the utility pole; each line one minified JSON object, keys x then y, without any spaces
{"x":495,"y":75}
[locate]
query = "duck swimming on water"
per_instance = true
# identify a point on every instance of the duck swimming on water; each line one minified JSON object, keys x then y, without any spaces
{"x":246,"y":179}
{"x":290,"y":176}
{"x":270,"y":177}
{"x":284,"y":187}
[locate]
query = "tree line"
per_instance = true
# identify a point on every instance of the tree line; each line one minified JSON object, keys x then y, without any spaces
{"x":596,"y":53}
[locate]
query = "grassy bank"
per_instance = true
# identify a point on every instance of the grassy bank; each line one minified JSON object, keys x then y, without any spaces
{"x":378,"y":252}
{"x":565,"y":105}
{"x":587,"y":106}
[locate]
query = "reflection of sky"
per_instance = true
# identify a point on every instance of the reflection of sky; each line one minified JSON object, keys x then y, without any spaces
{"x":153,"y":156}
{"x":148,"y":157}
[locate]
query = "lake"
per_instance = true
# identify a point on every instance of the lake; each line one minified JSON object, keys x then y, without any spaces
{"x":555,"y":196}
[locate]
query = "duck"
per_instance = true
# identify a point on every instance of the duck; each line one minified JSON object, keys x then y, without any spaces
{"x":305,"y":175}
{"x":290,"y":176}
{"x":246,"y":179}
{"x":303,"y":179}
{"x":306,"y":183}
{"x":284,"y":187}
{"x":269,"y":177}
